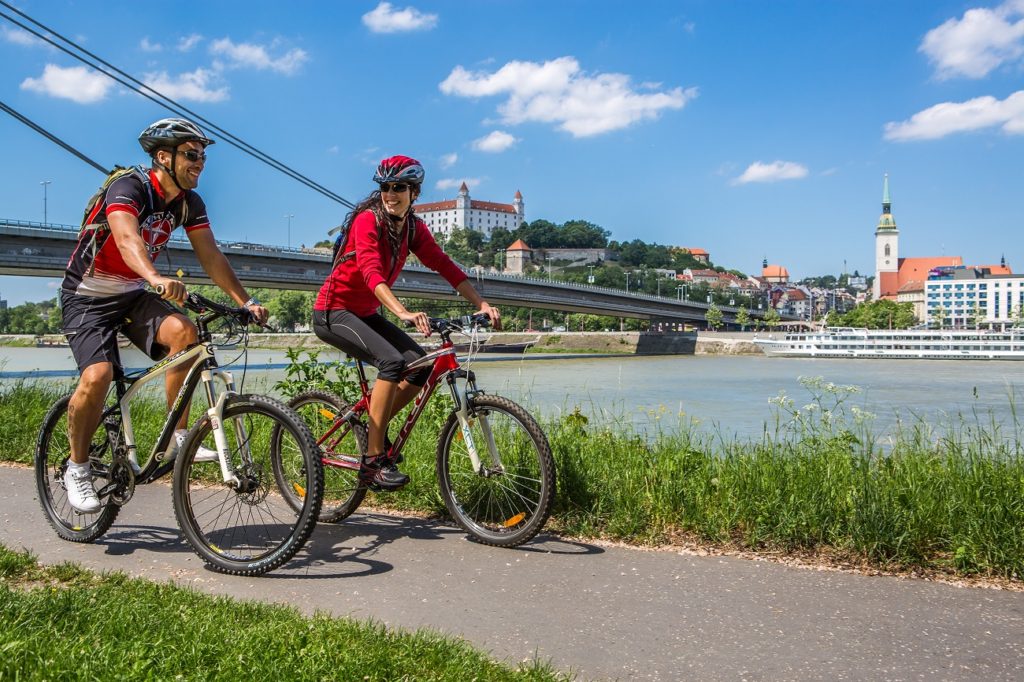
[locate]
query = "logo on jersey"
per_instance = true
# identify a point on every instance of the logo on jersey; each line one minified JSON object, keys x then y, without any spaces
{"x":156,"y":230}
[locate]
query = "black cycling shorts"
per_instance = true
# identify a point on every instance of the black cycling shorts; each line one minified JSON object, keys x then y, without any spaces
{"x":371,"y":339}
{"x":91,"y":324}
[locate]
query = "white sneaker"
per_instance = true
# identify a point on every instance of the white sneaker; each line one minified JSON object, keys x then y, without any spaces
{"x":203,"y":454}
{"x":81,"y":494}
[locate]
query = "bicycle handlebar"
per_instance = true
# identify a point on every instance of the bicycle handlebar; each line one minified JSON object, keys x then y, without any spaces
{"x":199,"y":304}
{"x":443,"y":325}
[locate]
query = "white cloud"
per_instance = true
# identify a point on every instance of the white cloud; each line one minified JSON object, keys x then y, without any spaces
{"x":75,"y":83}
{"x":448,"y":160}
{"x":771,"y":172}
{"x":558,"y":92}
{"x":979,"y":42}
{"x":455,"y":183}
{"x":386,"y":19}
{"x":495,"y":142}
{"x":147,"y":46}
{"x":19,"y":37}
{"x":254,"y":56}
{"x":201,"y":85}
{"x":948,"y":118}
{"x":188,"y":42}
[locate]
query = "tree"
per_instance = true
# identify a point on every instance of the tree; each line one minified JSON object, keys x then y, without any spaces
{"x":938,"y":317}
{"x":714,"y":316}
{"x":291,"y":308}
{"x":881,"y":314}
{"x":772,"y":318}
{"x":742,"y":318}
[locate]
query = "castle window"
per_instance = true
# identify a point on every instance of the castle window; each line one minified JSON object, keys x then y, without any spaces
{"x":887,"y":250}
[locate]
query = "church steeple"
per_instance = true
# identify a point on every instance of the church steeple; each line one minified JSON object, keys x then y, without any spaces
{"x":887,"y":249}
{"x":886,"y":223}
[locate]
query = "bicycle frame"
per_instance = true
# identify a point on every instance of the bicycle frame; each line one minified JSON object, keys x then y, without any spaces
{"x":445,"y":366}
{"x":202,"y":368}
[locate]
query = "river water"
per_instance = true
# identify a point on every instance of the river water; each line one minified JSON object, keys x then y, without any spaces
{"x":719,"y":393}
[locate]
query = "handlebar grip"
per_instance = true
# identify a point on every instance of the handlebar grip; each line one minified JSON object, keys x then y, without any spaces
{"x":159,"y":289}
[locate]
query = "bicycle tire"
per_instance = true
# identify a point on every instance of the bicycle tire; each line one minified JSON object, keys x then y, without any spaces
{"x":213,"y":516}
{"x":502,"y":508}
{"x":53,"y":449}
{"x":342,"y":493}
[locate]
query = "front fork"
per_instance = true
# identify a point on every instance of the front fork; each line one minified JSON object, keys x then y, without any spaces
{"x":215,"y":414}
{"x":462,"y":384}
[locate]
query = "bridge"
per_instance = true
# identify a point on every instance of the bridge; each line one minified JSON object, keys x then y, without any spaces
{"x":29,"y":248}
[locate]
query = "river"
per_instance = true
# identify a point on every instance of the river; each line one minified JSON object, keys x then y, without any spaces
{"x":722,"y":393}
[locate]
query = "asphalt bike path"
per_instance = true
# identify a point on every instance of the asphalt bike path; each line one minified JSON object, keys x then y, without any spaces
{"x":603,"y":612}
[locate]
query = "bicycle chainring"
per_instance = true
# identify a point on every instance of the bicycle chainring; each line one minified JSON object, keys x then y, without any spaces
{"x":123,"y":479}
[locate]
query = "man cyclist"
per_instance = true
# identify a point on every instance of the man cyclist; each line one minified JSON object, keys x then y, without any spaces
{"x":103,"y":289}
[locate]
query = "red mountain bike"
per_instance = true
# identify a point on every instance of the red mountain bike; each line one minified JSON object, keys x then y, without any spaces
{"x":494,"y":464}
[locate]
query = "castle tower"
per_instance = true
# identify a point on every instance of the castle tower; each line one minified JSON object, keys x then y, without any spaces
{"x":462,"y":207}
{"x":517,"y":203}
{"x":887,"y":242}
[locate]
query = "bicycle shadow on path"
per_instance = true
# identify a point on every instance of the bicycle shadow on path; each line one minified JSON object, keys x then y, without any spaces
{"x":364,"y":535}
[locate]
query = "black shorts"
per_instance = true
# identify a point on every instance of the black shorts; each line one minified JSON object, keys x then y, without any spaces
{"x":371,"y":339}
{"x":91,"y":324}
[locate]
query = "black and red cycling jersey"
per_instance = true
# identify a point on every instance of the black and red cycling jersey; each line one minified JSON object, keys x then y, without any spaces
{"x":140,"y":194}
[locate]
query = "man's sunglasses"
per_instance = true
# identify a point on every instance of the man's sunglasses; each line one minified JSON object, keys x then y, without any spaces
{"x":393,"y":187}
{"x":193,"y":156}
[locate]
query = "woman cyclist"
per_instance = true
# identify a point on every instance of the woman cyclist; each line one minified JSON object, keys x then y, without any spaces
{"x":379,"y":234}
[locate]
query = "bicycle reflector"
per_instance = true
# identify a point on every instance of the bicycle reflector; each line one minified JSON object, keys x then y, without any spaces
{"x":515,"y":520}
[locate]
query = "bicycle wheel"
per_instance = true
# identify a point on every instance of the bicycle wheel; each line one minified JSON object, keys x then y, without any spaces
{"x":53,"y":448}
{"x":248,"y":528}
{"x":509,"y":499}
{"x":345,"y":446}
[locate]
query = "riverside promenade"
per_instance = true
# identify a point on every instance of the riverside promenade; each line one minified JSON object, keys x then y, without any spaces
{"x":603,"y":612}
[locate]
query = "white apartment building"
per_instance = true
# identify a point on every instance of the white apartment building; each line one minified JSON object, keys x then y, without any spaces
{"x":462,"y":212}
{"x":967,"y":297}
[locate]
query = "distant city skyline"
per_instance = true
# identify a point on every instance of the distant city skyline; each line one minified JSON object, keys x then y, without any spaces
{"x":752,"y":130}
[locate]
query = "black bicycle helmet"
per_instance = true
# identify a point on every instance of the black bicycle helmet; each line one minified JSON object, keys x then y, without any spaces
{"x":168,"y":133}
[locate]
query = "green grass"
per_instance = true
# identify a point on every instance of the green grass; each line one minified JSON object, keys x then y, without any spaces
{"x":946,"y":497}
{"x":65,"y":623}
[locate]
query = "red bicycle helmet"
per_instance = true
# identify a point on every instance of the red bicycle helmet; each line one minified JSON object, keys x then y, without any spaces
{"x":399,"y":169}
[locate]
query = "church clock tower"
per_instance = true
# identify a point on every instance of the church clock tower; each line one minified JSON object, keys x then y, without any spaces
{"x":887,"y":242}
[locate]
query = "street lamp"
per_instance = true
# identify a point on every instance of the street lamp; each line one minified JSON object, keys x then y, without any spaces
{"x":44,"y":183}
{"x":590,"y":277}
{"x":289,"y":216}
{"x":548,"y":258}
{"x":627,"y":281}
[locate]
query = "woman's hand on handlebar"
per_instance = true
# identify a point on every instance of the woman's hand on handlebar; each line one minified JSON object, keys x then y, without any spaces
{"x":169,"y":289}
{"x":418,"y":320}
{"x":492,"y":313}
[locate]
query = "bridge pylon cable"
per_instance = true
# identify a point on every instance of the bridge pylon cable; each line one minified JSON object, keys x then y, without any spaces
{"x":53,"y":138}
{"x":166,"y":102}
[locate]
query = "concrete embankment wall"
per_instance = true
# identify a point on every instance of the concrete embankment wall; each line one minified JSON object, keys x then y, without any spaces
{"x":627,"y":343}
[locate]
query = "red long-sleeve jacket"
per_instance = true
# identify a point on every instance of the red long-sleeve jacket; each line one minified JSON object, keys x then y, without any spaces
{"x":350,"y":285}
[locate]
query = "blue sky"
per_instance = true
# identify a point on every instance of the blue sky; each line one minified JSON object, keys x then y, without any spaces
{"x":750,"y":129}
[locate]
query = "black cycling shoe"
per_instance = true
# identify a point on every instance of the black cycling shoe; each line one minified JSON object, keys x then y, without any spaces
{"x":378,"y":474}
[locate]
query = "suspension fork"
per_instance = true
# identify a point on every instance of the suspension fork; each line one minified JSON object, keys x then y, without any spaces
{"x":215,"y":413}
{"x":463,"y":395}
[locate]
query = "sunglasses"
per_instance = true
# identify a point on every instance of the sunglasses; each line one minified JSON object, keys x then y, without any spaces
{"x":393,"y":187}
{"x":193,"y":156}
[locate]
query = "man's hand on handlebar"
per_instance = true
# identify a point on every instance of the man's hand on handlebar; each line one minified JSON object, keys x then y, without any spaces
{"x":259,"y":314}
{"x":169,"y":289}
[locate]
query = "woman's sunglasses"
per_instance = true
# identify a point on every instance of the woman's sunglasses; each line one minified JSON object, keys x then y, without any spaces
{"x":393,"y":187}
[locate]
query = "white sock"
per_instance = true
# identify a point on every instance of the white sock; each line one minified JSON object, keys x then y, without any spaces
{"x":80,"y":469}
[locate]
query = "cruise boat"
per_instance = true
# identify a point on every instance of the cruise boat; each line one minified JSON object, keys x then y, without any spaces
{"x":934,"y":344}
